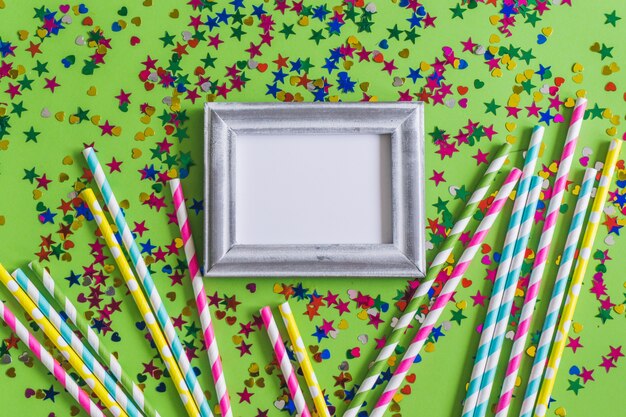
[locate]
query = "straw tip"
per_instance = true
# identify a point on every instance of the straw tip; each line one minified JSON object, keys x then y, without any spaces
{"x":535,"y":181}
{"x":615,"y":147}
{"x":581,"y":103}
{"x":85,"y":190}
{"x":591,"y":171}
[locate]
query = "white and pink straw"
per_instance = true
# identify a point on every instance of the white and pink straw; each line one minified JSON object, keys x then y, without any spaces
{"x":210,"y":343}
{"x":558,"y":190}
{"x":285,"y":365}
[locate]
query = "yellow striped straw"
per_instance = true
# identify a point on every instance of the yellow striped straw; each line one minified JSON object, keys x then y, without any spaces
{"x":53,"y":334}
{"x":140,"y":300}
{"x":303,"y":359}
{"x":577,"y":279}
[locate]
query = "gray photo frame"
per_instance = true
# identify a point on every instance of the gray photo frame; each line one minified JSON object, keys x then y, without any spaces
{"x":404,"y":257}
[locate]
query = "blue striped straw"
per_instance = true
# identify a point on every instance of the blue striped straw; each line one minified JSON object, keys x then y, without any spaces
{"x":148,"y":284}
{"x":71,"y":339}
{"x":480,"y":360}
{"x":558,"y":292}
{"x":507,"y":298}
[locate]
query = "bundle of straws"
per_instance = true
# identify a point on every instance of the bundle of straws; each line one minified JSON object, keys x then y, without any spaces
{"x":520,"y":227}
{"x":95,"y":365}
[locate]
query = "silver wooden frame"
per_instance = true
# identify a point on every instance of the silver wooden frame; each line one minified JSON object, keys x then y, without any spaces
{"x":405,"y":257}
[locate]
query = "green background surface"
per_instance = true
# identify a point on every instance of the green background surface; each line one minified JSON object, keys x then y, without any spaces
{"x":440,"y":378}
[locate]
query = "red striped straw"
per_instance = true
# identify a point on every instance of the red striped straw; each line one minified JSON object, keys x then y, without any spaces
{"x":210,"y":343}
{"x":49,"y":362}
{"x":285,"y":366}
{"x":446,"y":294}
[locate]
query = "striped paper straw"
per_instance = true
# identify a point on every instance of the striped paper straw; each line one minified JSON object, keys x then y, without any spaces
{"x":51,"y":364}
{"x":285,"y":365}
{"x":446,"y":294}
{"x":480,"y":360}
{"x":541,"y":354}
{"x":577,"y":278}
{"x":299,"y":351}
{"x":517,"y":350}
{"x":75,"y":343}
{"x":420,"y":296}
{"x":55,"y":337}
{"x":210,"y":343}
{"x":140,"y":300}
{"x":510,"y":287}
{"x":92,"y":338}
{"x":145,"y":278}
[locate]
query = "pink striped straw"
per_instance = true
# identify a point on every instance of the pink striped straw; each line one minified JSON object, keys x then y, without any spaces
{"x":49,"y":362}
{"x":559,"y":188}
{"x":285,"y":366}
{"x":210,"y":343}
{"x":446,"y":294}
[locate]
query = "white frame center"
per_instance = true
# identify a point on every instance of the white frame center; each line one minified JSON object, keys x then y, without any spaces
{"x":313,"y":189}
